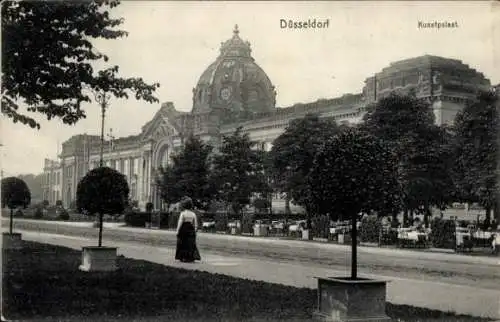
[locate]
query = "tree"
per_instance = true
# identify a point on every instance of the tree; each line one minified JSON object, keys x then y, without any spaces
{"x":102,"y":191}
{"x":188,"y":175}
{"x":476,"y":151}
{"x":237,"y":171}
{"x":352,"y":173}
{"x":15,"y":193}
{"x":407,"y":126}
{"x":293,"y":154}
{"x":48,"y":59}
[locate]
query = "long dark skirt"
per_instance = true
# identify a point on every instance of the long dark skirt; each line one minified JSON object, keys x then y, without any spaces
{"x":186,"y":244}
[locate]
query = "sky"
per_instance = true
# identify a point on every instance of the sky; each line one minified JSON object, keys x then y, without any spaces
{"x":174,"y":42}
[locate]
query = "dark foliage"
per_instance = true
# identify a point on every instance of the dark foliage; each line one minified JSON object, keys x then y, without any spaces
{"x":15,"y":193}
{"x":48,"y":58}
{"x":476,"y":151}
{"x":238,"y":172}
{"x":102,"y":191}
{"x":321,"y":226}
{"x":188,"y":175}
{"x":137,"y":219}
{"x":221,"y":222}
{"x":59,"y":203}
{"x":353,"y":172}
{"x":149,"y":207}
{"x":370,"y":229}
{"x":38,"y":213}
{"x":443,"y":233}
{"x":63,"y":215}
{"x":421,"y":149}
{"x":293,"y":154}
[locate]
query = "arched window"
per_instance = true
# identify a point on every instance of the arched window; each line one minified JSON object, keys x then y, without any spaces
{"x":164,"y":161}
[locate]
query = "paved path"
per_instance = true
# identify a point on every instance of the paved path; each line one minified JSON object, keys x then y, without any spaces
{"x":430,"y":294}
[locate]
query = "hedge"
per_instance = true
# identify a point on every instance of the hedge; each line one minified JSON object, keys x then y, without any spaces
{"x":247,"y":223}
{"x":321,"y":226}
{"x":221,"y":221}
{"x":137,"y":218}
{"x":369,"y":231}
{"x":443,"y":233}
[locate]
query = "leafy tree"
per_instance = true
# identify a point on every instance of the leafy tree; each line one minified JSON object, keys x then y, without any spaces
{"x":476,"y":151}
{"x":15,"y":193}
{"x":406,"y":125}
{"x":188,"y":175}
{"x":102,"y":191}
{"x":293,"y":154}
{"x":352,"y":173}
{"x":237,"y":172}
{"x":48,"y":59}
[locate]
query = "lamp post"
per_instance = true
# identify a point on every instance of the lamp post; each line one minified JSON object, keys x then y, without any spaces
{"x":103,"y":99}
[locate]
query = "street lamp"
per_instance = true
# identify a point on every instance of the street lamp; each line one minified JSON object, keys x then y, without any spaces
{"x":103,"y":99}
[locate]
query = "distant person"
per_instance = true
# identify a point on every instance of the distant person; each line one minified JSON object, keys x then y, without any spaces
{"x":187,"y":226}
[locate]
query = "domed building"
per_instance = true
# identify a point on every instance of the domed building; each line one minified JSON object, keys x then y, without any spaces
{"x":234,"y":91}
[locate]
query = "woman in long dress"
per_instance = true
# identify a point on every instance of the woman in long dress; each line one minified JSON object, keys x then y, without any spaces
{"x":187,"y":226}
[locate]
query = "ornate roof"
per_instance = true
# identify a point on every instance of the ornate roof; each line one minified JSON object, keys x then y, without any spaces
{"x":234,"y":82}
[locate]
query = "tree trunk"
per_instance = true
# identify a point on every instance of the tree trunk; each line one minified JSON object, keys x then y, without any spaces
{"x":11,"y":223}
{"x":100,"y":230}
{"x":488,"y":213}
{"x":405,"y":218}
{"x":354,"y":247}
{"x":287,"y":204}
{"x":427,"y":215}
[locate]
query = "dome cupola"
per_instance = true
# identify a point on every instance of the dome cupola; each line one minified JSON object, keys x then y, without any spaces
{"x":234,"y":84}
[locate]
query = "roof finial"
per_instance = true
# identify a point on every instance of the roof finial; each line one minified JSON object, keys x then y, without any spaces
{"x":236,"y":31}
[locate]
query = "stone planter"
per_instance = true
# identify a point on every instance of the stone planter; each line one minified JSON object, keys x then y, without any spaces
{"x":98,"y":259}
{"x":305,"y":234}
{"x":344,"y":300}
{"x":12,"y":241}
{"x":344,"y":239}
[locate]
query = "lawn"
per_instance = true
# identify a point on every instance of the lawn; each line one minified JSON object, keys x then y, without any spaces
{"x":42,"y":282}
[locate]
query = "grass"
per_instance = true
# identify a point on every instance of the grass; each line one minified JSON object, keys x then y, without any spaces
{"x":43,"y":283}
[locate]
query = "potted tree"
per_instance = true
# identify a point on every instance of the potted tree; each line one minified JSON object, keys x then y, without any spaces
{"x":102,"y":191}
{"x":355,"y":173}
{"x":15,"y":193}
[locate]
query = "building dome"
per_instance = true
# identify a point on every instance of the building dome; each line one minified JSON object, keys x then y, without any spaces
{"x":234,"y":83}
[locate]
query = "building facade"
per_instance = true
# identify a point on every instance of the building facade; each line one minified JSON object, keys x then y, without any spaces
{"x":235,"y":92}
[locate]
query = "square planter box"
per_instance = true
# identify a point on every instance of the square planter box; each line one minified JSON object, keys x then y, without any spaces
{"x":305,"y":234}
{"x":98,"y":259}
{"x":346,"y":300}
{"x":12,"y":241}
{"x":344,"y":239}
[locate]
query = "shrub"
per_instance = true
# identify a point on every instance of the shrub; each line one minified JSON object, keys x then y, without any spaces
{"x":149,"y":207}
{"x":321,"y":226}
{"x":137,"y":218}
{"x":172,"y":219}
{"x":46,"y":203}
{"x":38,"y":213}
{"x":443,"y":233}
{"x":221,"y":221}
{"x":19,"y":213}
{"x":389,"y":237}
{"x":247,"y":222}
{"x":63,"y":215}
{"x":59,"y":203}
{"x":261,"y":205}
{"x":370,"y":229}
